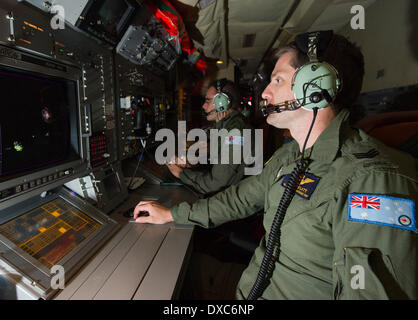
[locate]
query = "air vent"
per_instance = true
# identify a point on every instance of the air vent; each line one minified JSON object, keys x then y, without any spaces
{"x":248,"y":40}
{"x":205,"y":3}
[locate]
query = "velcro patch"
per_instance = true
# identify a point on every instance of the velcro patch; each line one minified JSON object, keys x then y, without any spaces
{"x":382,"y":210}
{"x":238,"y":140}
{"x":306,"y":187}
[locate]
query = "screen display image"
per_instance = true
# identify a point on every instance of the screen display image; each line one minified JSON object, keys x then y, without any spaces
{"x":110,"y":14}
{"x":107,"y":19}
{"x":38,"y":122}
{"x":49,"y":232}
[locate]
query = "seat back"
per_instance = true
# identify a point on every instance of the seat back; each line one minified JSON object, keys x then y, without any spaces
{"x":395,"y":129}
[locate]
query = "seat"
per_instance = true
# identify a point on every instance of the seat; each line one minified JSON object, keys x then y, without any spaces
{"x":398,"y":130}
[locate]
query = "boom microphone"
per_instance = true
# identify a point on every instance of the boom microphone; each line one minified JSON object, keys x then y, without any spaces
{"x":290,"y":105}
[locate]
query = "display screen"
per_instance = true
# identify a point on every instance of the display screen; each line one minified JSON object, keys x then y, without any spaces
{"x":110,"y":14}
{"x":38,"y":122}
{"x":49,"y":232}
{"x":107,"y":19}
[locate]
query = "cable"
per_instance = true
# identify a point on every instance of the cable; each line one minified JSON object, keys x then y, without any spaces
{"x":140,"y":157}
{"x":315,"y":113}
{"x":273,"y":243}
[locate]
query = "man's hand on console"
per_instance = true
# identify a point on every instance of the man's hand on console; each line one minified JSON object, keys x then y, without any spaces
{"x":157,"y":213}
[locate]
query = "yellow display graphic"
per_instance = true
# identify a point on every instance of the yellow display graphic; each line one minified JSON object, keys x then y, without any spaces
{"x":49,"y":232}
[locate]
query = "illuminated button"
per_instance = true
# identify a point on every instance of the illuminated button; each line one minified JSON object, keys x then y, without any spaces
{"x":55,"y":214}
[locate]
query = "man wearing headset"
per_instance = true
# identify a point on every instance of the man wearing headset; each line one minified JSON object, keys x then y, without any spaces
{"x":339,"y":205}
{"x":224,"y":115}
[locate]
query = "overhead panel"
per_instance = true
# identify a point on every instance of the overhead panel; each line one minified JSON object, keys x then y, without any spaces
{"x":211,"y":24}
{"x":311,"y":15}
{"x":252,"y":11}
{"x":262,"y":21}
{"x":337,"y":15}
{"x":239,"y":30}
{"x":249,"y":40}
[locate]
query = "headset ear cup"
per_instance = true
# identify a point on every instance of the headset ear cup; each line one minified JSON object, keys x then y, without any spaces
{"x":315,"y":85}
{"x":221,"y":102}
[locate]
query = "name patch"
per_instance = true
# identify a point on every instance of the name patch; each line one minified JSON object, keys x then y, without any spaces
{"x":382,"y":210}
{"x":306,"y":187}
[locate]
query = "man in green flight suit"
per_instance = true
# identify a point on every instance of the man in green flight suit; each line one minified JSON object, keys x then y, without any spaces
{"x":349,"y":229}
{"x":219,"y":175}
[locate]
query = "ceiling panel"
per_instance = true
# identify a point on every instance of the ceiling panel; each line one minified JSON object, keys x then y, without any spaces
{"x":262,"y":30}
{"x":224,"y":24}
{"x":337,"y":15}
{"x":253,"y":10}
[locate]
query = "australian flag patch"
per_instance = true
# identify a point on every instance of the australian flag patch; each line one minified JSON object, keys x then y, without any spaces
{"x":382,"y":210}
{"x":238,"y":140}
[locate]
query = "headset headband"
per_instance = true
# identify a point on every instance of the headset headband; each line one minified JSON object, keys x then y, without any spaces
{"x":220,"y":84}
{"x":313,"y":44}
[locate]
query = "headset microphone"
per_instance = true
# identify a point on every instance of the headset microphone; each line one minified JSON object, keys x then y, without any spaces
{"x":290,"y":105}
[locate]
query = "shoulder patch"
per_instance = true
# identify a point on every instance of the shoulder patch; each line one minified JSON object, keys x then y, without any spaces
{"x":382,"y":210}
{"x":367,"y":155}
{"x":237,"y":140}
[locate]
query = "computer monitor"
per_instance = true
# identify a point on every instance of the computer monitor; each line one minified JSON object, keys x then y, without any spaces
{"x":40,"y":133}
{"x":106,"y":20}
{"x":37,"y":122}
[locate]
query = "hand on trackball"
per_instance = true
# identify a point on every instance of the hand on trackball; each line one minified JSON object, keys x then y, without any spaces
{"x":158,"y":214}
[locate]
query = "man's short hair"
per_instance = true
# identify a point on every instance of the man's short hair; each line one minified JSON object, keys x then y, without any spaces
{"x":230,"y":89}
{"x":344,"y":55}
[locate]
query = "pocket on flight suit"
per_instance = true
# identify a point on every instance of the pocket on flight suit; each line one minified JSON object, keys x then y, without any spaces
{"x":364,"y":273}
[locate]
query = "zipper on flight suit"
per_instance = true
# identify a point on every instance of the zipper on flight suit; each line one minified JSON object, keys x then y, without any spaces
{"x":339,"y":283}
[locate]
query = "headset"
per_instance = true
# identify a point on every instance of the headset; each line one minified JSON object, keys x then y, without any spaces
{"x":315,"y":84}
{"x":221,"y":100}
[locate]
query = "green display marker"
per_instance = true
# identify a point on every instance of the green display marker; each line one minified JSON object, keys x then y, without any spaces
{"x":18,"y":146}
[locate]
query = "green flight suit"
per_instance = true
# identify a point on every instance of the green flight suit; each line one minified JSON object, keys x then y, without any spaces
{"x":321,"y":249}
{"x":219,"y":176}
